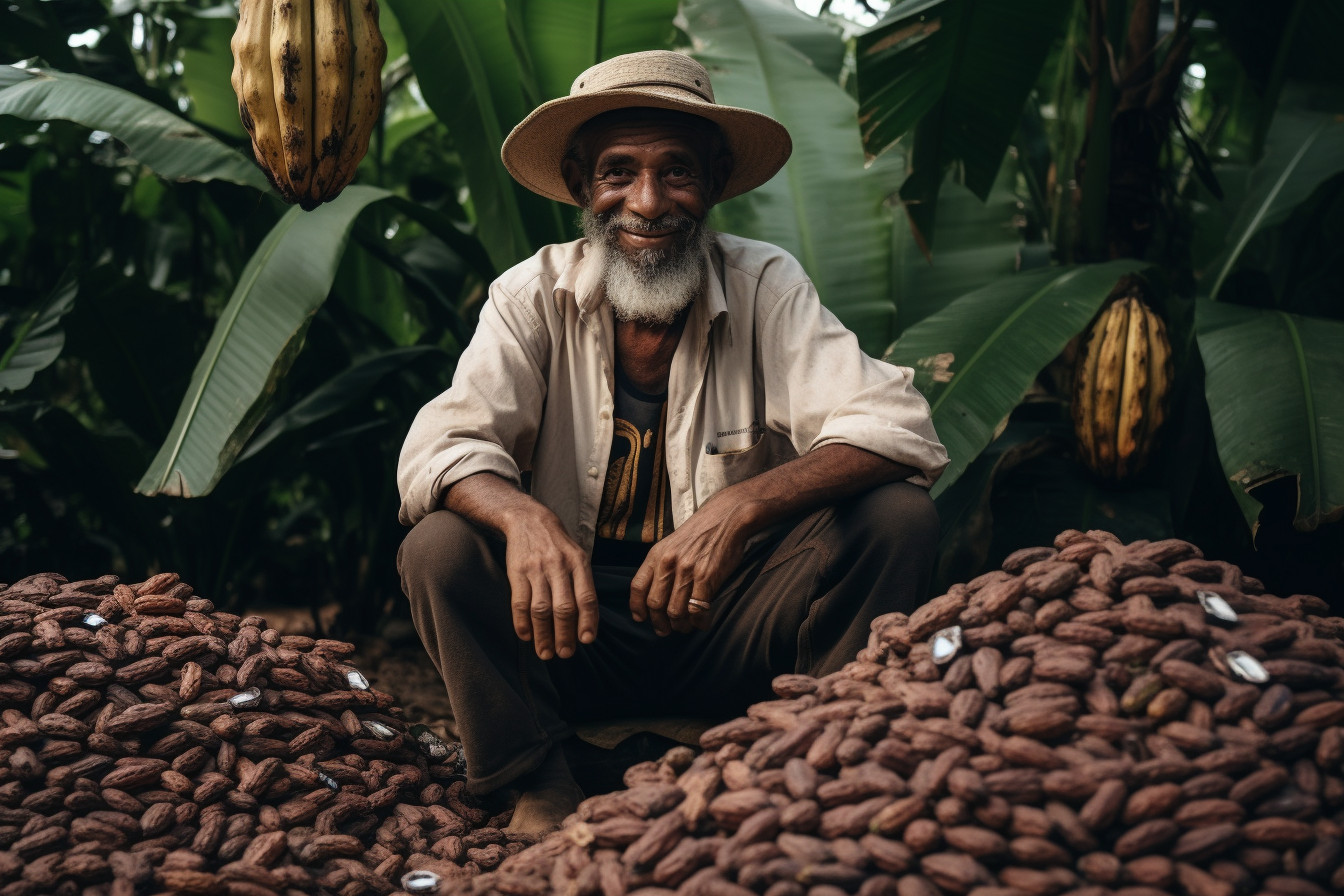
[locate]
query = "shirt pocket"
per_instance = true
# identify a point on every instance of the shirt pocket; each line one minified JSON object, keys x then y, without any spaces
{"x":718,"y":471}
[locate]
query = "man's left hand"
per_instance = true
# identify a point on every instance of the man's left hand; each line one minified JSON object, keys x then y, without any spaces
{"x":690,"y":564}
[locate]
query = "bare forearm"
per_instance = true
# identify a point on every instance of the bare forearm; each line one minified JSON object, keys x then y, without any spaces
{"x":819,"y":478}
{"x":491,"y":501}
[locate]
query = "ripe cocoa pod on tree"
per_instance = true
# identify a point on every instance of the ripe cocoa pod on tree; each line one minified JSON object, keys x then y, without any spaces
{"x":1121,"y":383}
{"x":308,"y":78}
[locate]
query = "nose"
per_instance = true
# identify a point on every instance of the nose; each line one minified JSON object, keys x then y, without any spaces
{"x":648,"y":196}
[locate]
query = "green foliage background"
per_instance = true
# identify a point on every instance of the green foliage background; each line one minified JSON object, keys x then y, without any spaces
{"x":195,"y":377}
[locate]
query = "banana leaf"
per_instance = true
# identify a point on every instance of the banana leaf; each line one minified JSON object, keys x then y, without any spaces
{"x":959,"y":69}
{"x":1303,"y":150}
{"x":207,"y":66}
{"x":977,"y":244}
{"x":564,"y":37}
{"x":1275,"y":385}
{"x":823,"y":207}
{"x":975,"y":359}
{"x":38,"y":340}
{"x":473,"y":76}
{"x":139,"y":346}
{"x":337,"y":393}
{"x":254,"y":343}
{"x":172,"y":146}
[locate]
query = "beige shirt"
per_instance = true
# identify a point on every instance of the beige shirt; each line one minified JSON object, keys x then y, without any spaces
{"x":763,"y":373}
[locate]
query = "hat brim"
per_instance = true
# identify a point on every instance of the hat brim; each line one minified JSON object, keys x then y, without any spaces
{"x":533,"y":152}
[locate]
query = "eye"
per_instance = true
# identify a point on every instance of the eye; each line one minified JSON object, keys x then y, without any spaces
{"x":679,"y":171}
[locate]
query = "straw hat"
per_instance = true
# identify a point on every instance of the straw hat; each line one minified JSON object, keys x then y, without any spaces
{"x":657,"y":78}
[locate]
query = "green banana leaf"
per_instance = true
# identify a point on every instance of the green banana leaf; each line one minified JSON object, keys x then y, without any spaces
{"x":207,"y":66}
{"x":337,"y":393}
{"x":38,"y":340}
{"x":403,"y":128}
{"x":172,"y":146}
{"x":975,"y":359}
{"x":564,"y":37}
{"x":254,"y":343}
{"x":959,"y":69}
{"x":977,"y":244}
{"x":1303,"y":150}
{"x":1275,"y":385}
{"x":823,"y":207}
{"x":472,"y":74}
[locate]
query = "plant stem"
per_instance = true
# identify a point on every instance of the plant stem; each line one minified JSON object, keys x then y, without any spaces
{"x":1108,"y":30}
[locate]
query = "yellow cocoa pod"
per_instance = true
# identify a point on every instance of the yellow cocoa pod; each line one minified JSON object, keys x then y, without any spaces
{"x":1121,"y":384}
{"x":307,"y":74}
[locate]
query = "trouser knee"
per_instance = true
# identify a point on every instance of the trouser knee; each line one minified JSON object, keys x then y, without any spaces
{"x":443,"y":548}
{"x":898,"y":516}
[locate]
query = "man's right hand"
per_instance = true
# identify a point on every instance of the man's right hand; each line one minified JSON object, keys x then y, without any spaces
{"x":554,"y":600}
{"x":554,"y":603}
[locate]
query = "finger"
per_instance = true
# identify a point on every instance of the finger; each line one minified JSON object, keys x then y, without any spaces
{"x":564,"y":615}
{"x":520,"y":601}
{"x":659,"y":594}
{"x":700,"y":616}
{"x":543,"y":632}
{"x":678,"y":604}
{"x":639,"y":589}
{"x":585,"y":595}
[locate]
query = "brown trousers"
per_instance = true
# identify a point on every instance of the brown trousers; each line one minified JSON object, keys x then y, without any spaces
{"x":801,"y":602}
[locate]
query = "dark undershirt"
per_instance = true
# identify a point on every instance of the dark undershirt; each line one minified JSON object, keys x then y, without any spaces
{"x":636,"y":509}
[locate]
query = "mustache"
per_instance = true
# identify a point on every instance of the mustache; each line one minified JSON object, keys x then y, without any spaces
{"x":614,"y":221}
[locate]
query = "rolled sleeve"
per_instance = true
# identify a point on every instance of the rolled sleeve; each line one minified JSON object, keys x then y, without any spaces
{"x":830,"y":392}
{"x":487,"y":421}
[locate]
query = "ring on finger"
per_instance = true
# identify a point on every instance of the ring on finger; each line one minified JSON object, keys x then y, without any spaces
{"x":697,"y":605}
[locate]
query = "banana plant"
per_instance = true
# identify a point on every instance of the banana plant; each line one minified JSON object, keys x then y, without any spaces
{"x":953,"y":75}
{"x":976,"y":358}
{"x":823,"y":207}
{"x":174,"y":148}
{"x":37,"y":338}
{"x":1274,"y":379}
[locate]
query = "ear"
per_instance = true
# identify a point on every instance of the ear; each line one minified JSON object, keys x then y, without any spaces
{"x":569,"y":169}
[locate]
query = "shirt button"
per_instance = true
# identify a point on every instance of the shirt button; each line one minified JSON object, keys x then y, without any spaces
{"x":604,"y":414}
{"x":592,"y":471}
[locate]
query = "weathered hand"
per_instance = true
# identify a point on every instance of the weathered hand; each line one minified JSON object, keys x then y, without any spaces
{"x":553,"y":599}
{"x":692,"y":562}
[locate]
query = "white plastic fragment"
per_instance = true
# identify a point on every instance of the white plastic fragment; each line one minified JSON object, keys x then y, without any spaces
{"x":328,"y":780}
{"x":1216,"y":606}
{"x":246,"y":699}
{"x":945,"y":643}
{"x":379,"y":730}
{"x":357,"y":680}
{"x":419,"y":881}
{"x":1247,"y":666}
{"x":430,"y":744}
{"x":93,"y":620}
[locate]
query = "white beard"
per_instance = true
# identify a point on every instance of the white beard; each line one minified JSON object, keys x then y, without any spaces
{"x":652,"y":286}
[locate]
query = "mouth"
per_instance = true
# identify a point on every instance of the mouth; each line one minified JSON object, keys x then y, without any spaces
{"x":645,"y":237}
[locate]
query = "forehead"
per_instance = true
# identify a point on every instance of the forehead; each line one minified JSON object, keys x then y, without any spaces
{"x":646,"y":136}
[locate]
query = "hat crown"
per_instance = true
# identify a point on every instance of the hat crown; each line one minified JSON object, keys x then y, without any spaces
{"x":661,"y":68}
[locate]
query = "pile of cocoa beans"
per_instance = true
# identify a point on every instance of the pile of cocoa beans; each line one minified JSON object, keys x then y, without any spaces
{"x":1073,"y":724}
{"x":125,"y":768}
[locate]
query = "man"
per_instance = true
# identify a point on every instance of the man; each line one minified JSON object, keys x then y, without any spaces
{"x":723,"y":487}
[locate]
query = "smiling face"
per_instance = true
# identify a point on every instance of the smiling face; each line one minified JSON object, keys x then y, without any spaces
{"x":647,"y":163}
{"x":646,"y":179}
